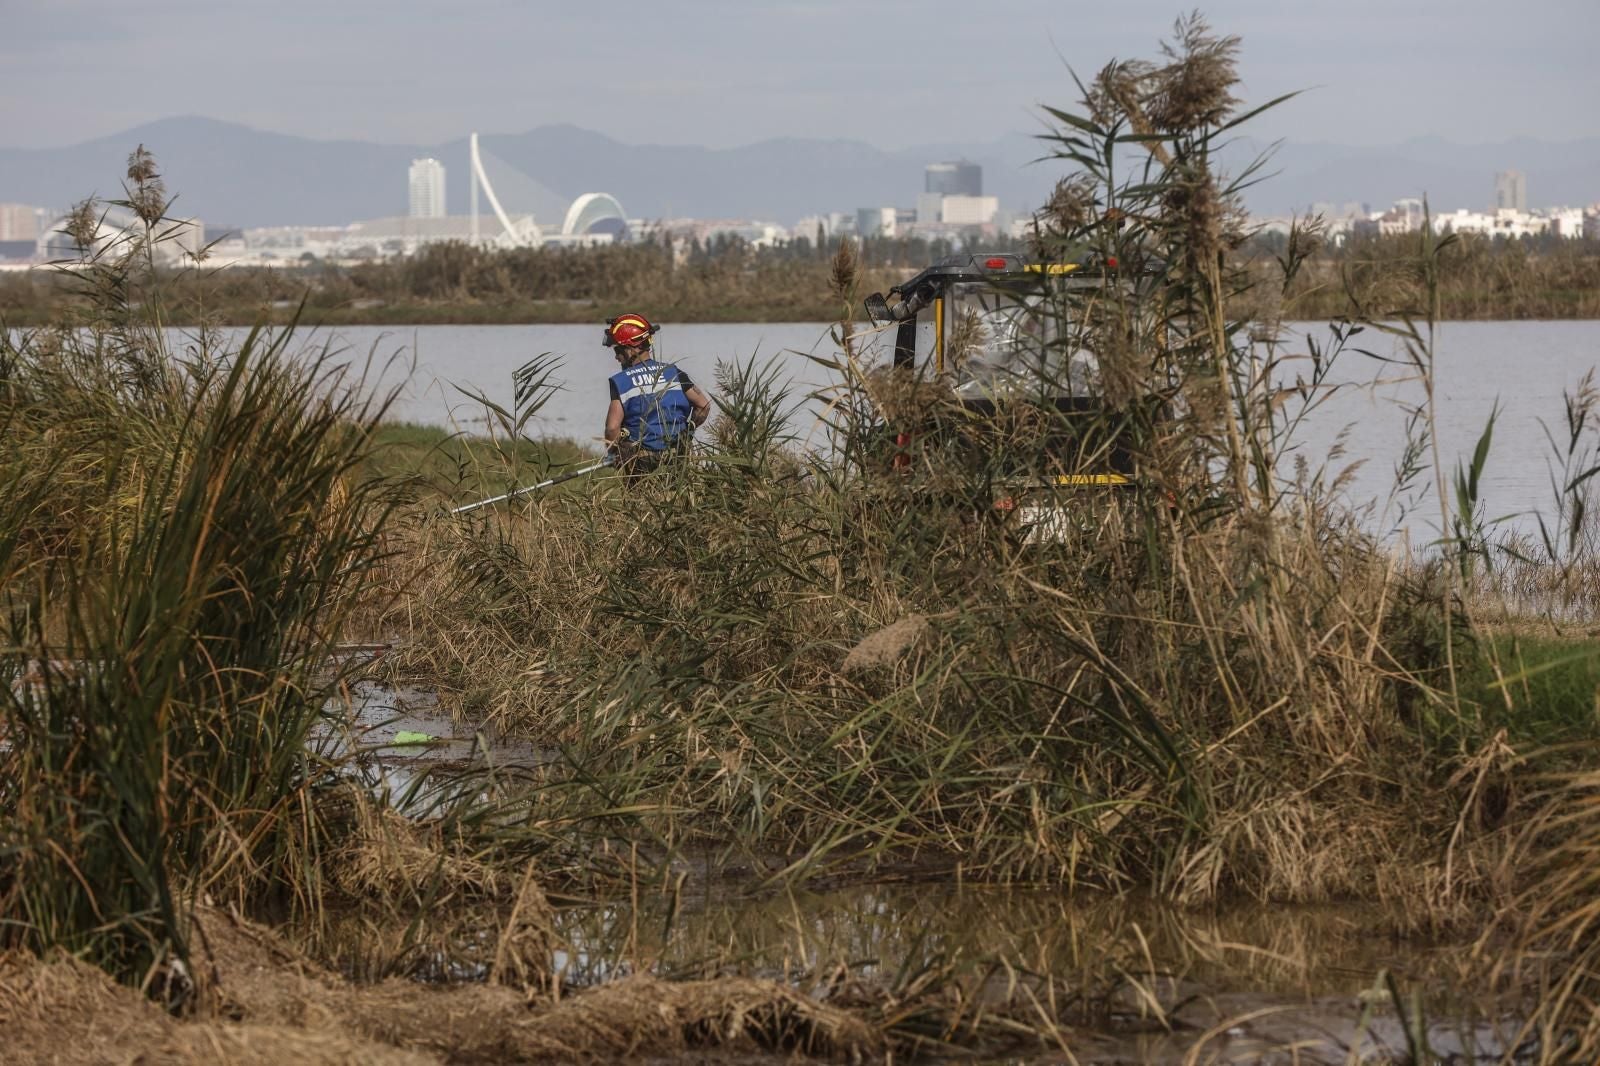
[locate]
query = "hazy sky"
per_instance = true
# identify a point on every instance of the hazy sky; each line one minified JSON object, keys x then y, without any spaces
{"x":726,"y":72}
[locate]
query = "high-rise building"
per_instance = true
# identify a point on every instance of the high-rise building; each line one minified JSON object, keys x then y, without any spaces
{"x":427,"y":188}
{"x":958,"y":178}
{"x":1511,"y":190}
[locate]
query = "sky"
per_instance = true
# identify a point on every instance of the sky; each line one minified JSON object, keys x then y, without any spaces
{"x":892,"y":73}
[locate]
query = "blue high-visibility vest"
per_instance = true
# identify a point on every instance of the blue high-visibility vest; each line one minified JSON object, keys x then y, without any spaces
{"x":654,"y":408}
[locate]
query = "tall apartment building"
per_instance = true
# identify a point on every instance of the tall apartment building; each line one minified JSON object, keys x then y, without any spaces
{"x":427,"y":188}
{"x":957,"y":178}
{"x":1511,"y":190}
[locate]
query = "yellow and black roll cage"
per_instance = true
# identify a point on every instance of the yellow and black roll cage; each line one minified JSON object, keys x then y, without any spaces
{"x":1005,"y":274}
{"x":1007,"y":289}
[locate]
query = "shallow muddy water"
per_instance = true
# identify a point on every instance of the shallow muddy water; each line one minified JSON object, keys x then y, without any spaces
{"x":1143,"y":982}
{"x":399,"y":735}
{"x":1136,"y":980}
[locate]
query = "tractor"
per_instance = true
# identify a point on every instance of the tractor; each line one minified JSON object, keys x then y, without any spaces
{"x":1016,"y":412}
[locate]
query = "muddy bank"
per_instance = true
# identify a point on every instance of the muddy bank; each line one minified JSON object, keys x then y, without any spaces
{"x":258,"y":1000}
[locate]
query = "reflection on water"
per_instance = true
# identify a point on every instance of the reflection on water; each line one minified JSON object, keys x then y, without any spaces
{"x":1139,"y":981}
{"x":410,"y":752}
{"x":881,"y":930}
{"x":1135,"y":980}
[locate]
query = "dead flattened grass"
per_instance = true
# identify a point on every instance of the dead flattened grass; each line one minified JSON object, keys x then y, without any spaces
{"x":252,"y":975}
{"x":62,"y":1010}
{"x":254,"y":1045}
{"x":41,"y":1002}
{"x":885,"y":647}
{"x":643,"y":1015}
{"x":264,"y":1001}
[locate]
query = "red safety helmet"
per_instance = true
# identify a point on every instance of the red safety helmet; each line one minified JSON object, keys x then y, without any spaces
{"x":629,"y":331}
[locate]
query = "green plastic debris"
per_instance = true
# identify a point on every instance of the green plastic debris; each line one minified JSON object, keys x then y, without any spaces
{"x":407,"y":736}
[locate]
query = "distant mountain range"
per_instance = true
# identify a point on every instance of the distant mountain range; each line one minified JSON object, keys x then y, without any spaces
{"x":227,"y":173}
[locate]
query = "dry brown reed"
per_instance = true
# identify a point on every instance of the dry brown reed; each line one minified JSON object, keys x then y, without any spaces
{"x":1217,"y":685}
{"x":1547,"y":939}
{"x":1214,"y":685}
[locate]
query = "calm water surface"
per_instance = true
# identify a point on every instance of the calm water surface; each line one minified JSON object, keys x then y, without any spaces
{"x":1519,"y":368}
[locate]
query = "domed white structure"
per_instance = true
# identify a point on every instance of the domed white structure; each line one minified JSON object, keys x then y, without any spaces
{"x":595,"y":212}
{"x":115,"y":226}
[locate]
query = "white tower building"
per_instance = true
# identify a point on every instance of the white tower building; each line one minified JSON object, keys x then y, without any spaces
{"x":427,"y":188}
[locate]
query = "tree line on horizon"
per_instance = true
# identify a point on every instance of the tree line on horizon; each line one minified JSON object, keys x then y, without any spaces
{"x":726,"y":279}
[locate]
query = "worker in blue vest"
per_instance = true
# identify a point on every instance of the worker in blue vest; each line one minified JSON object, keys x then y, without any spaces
{"x":655,"y":408}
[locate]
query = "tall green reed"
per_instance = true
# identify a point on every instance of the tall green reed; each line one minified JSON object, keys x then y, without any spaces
{"x":189,"y":542}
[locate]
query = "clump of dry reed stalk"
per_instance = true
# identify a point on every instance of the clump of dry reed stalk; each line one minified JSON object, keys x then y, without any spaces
{"x":1543,"y":941}
{"x":1202,"y":686}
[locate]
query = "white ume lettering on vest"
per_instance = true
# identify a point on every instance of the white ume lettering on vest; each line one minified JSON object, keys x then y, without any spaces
{"x":647,"y":384}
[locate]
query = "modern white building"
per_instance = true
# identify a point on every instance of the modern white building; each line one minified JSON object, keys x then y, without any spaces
{"x":1566,"y":221}
{"x":876,"y":222}
{"x":1505,"y":222}
{"x":427,"y":189}
{"x":812,"y":227}
{"x":969,"y":210}
{"x":115,"y":227}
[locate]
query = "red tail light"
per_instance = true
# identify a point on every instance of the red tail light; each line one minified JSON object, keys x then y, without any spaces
{"x":996,"y":263}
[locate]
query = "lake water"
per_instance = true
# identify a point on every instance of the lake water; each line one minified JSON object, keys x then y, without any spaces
{"x":1520,"y":367}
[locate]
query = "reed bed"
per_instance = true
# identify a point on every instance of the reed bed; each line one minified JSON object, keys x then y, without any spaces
{"x":1197,"y":686}
{"x":907,"y":649}
{"x":1219,"y":686}
{"x":185,"y":539}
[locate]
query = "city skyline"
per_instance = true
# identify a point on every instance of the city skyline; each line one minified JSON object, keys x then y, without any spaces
{"x":948,"y":207}
{"x":721,"y":74}
{"x":240,"y":177}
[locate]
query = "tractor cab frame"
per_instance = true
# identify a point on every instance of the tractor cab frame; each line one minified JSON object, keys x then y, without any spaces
{"x":999,"y":329}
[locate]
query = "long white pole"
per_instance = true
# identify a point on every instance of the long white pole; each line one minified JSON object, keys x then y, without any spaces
{"x":474,"y":183}
{"x":568,"y":476}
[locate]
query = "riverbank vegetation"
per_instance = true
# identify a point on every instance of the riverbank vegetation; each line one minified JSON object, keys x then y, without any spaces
{"x":728,"y":281}
{"x":908,"y":653}
{"x":1477,"y":277}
